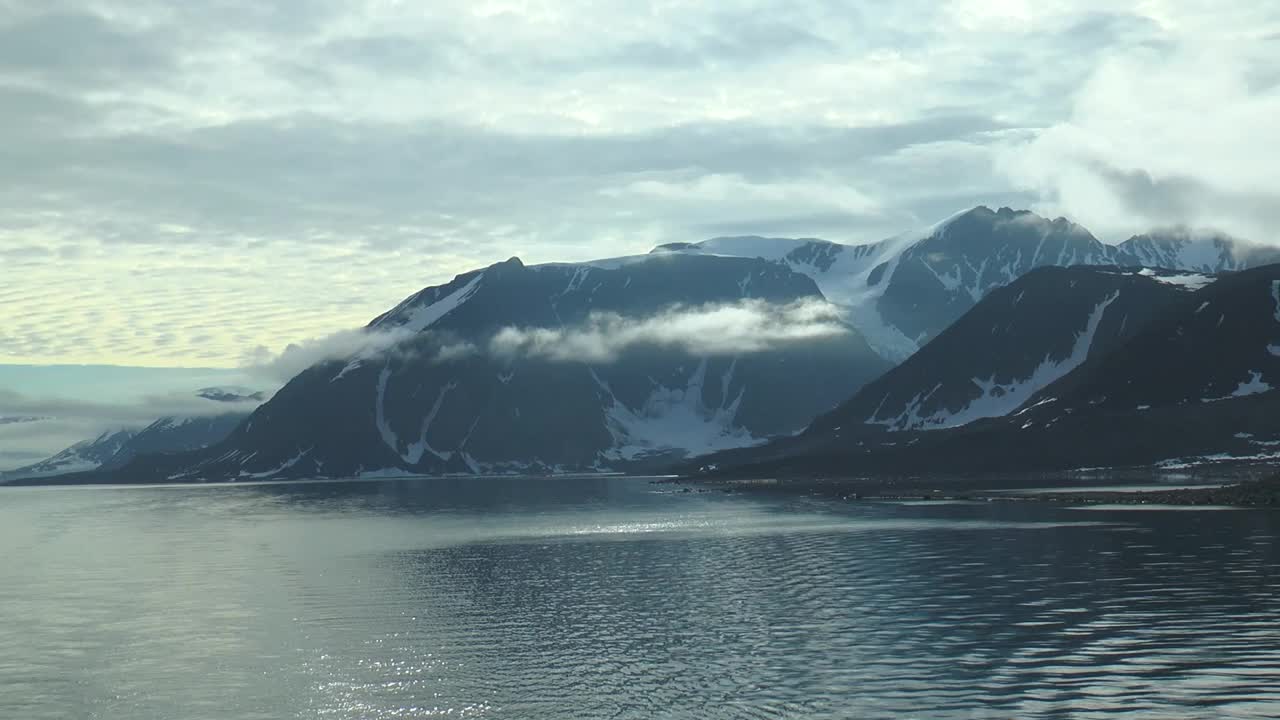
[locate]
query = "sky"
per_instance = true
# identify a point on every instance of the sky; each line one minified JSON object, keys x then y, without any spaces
{"x":189,"y":185}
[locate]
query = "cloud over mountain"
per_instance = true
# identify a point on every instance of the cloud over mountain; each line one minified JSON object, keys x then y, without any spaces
{"x":748,"y":326}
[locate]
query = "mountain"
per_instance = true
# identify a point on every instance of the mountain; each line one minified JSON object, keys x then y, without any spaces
{"x":231,"y":394}
{"x":904,"y":291}
{"x":629,"y":363}
{"x":1182,"y":250}
{"x":1015,"y":341}
{"x":1194,"y":383}
{"x":115,"y":448}
{"x":562,"y":367}
{"x":83,"y":456}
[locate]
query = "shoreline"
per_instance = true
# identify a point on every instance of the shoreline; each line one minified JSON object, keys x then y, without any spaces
{"x":1249,"y":487}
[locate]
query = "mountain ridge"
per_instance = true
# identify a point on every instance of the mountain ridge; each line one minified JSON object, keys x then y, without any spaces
{"x":512,"y":367}
{"x":1193,"y":384}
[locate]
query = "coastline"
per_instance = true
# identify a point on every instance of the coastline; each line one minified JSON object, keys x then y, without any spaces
{"x":1250,"y":486}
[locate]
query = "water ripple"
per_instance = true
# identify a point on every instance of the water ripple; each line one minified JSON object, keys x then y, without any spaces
{"x":555,"y":600}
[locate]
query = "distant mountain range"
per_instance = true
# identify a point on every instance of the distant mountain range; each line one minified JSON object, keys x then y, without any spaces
{"x":114,"y":449}
{"x":635,"y":363}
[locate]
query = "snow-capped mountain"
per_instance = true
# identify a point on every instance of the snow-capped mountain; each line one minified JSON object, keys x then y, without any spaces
{"x":114,"y":449}
{"x":594,"y":366}
{"x":1196,"y":382}
{"x":520,"y":369}
{"x":902,"y":292}
{"x":1014,"y":342}
{"x":1183,"y":251}
{"x":83,"y":456}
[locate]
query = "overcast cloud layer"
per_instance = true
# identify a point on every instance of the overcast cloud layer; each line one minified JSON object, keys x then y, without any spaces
{"x":181,"y":182}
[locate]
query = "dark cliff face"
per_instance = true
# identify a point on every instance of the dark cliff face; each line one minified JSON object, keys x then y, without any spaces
{"x":1218,"y":343}
{"x":1195,"y":382}
{"x":1014,"y":342}
{"x":442,"y":399}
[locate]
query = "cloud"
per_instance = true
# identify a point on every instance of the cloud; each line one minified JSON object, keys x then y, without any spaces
{"x":749,"y":326}
{"x":297,"y":357}
{"x":455,"y":351}
{"x":34,"y":48}
{"x":231,"y":172}
{"x":1177,"y":135}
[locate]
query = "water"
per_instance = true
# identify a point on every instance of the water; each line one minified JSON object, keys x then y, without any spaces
{"x":620,"y":599}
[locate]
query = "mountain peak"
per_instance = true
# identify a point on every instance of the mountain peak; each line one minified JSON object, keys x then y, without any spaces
{"x":231,"y":394}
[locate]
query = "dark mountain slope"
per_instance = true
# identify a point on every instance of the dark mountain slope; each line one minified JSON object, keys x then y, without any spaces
{"x":1011,"y":344}
{"x":1196,"y":383}
{"x":441,"y":399}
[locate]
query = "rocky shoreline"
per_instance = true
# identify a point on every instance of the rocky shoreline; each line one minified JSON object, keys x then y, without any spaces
{"x":1253,"y":493}
{"x":1241,"y":489}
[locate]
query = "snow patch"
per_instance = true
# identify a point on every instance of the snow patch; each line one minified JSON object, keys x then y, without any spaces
{"x":675,"y":419}
{"x":421,"y":318}
{"x":1186,"y":281}
{"x":1185,"y":463}
{"x":279,"y":469}
{"x":416,"y":450}
{"x":1253,"y":386}
{"x":999,"y":399}
{"x":748,"y":247}
{"x":356,"y":363}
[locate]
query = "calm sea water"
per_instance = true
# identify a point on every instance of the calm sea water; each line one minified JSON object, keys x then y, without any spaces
{"x":619,"y":599}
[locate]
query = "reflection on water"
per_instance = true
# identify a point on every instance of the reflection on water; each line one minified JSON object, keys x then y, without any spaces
{"x":611,"y":598}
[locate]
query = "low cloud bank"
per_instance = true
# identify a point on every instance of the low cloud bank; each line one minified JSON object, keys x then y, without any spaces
{"x":1182,"y":136}
{"x":51,"y":424}
{"x":297,"y":357}
{"x":748,"y":326}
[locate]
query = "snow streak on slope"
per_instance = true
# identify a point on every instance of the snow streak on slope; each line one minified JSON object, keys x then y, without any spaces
{"x":415,"y":320}
{"x":415,"y":451}
{"x":999,"y":399}
{"x":675,"y":419}
{"x":421,"y":318}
